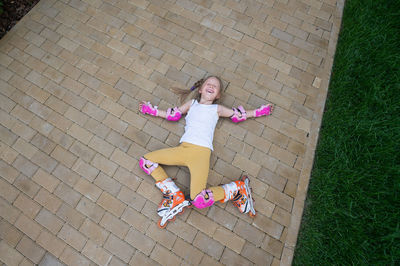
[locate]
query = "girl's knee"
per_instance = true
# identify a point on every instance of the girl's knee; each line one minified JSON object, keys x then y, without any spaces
{"x":203,"y":199}
{"x":147,"y":166}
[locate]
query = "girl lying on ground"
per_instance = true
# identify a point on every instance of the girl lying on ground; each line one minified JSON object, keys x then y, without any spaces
{"x":194,"y":152}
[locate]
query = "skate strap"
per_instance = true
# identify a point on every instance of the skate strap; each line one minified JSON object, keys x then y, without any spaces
{"x":230,"y":190}
{"x":167,"y":186}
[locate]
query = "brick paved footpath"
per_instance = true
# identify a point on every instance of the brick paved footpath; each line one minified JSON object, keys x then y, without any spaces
{"x":71,"y":75}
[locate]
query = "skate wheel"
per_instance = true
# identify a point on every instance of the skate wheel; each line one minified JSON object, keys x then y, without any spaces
{"x":243,"y":178}
{"x":161,"y":226}
{"x":181,"y":212}
{"x":252,"y":215}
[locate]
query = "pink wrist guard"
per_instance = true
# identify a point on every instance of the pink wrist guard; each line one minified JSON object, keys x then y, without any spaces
{"x":263,"y":110}
{"x":149,"y":109}
{"x":204,"y":199}
{"x":239,"y":114}
{"x":173,"y":114}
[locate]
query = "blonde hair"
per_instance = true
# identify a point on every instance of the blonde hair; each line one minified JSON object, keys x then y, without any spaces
{"x":183,"y":94}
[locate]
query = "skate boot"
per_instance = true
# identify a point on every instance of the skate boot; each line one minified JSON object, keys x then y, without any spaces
{"x":173,"y":202}
{"x":240,"y":193}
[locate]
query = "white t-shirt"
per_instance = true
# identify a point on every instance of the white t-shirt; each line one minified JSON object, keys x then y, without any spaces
{"x":200,"y":124}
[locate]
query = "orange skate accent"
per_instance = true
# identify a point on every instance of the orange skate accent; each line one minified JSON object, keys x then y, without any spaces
{"x":240,"y":193}
{"x":171,"y":200}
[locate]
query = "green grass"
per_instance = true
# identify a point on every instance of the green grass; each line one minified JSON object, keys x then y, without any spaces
{"x":352,"y":213}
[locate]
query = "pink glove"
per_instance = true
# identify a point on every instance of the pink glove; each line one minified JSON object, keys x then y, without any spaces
{"x":149,"y":109}
{"x":263,"y":110}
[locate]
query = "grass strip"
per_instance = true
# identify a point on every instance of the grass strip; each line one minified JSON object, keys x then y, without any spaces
{"x":352,"y":211}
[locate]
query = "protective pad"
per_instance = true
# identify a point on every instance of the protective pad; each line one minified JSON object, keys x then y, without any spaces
{"x":263,"y":110}
{"x":239,"y":114}
{"x":143,"y":163}
{"x":149,"y":109}
{"x":173,"y":114}
{"x":204,"y":199}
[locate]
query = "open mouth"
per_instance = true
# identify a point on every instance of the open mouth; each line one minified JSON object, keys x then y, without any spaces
{"x":210,"y":91}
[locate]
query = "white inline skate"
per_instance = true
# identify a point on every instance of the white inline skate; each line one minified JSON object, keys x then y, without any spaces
{"x":173,"y":202}
{"x":240,"y":193}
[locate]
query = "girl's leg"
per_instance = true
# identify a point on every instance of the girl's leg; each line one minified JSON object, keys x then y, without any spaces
{"x":173,"y":201}
{"x":169,"y":156}
{"x":218,"y":192}
{"x":199,"y":167}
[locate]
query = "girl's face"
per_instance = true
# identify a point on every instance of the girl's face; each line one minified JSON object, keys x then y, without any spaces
{"x":211,"y":89}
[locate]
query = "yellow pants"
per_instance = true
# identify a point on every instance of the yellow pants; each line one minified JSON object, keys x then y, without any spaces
{"x":196,"y":158}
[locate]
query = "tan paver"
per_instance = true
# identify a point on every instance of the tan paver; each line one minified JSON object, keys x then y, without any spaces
{"x":72,"y":73}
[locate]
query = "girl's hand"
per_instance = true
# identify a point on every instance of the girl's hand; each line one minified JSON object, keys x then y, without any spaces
{"x":239,"y":114}
{"x":263,"y":110}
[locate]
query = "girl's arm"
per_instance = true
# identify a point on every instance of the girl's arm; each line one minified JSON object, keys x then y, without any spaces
{"x":172,"y":114}
{"x":239,"y":114}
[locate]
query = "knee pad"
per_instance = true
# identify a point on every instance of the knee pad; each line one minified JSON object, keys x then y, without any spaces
{"x":143,"y":163}
{"x":204,"y":199}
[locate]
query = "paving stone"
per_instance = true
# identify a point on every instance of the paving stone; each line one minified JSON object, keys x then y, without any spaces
{"x":202,"y":223}
{"x":131,"y":198}
{"x":222,"y":217}
{"x":114,"y":225}
{"x":45,"y":180}
{"x":96,"y":253}
{"x":50,"y":260}
{"x":25,"y":166}
{"x":183,"y":230}
{"x":229,"y":239}
{"x":72,"y":257}
{"x":118,"y":247}
{"x":88,"y":208}
{"x":28,"y":226}
{"x":280,"y":199}
{"x":72,"y":237}
{"x":29,"y":207}
{"x":51,"y":243}
{"x":230,"y":257}
{"x":249,"y":232}
{"x":10,"y":234}
{"x":49,"y":221}
{"x":256,"y":255}
{"x":269,"y":226}
{"x":187,"y":252}
{"x":30,"y":249}
{"x":140,"y":241}
{"x":208,"y":245}
{"x":164,"y":256}
{"x":7,"y":191}
{"x":48,"y":200}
